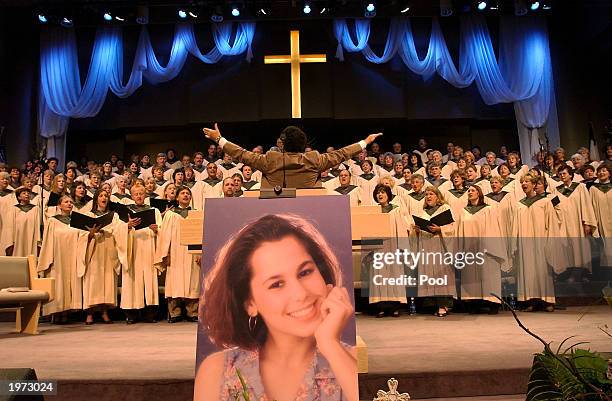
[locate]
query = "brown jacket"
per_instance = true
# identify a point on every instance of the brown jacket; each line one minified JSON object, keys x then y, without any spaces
{"x":302,"y":170}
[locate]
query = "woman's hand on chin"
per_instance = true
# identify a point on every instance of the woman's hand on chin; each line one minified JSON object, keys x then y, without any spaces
{"x":336,"y":310}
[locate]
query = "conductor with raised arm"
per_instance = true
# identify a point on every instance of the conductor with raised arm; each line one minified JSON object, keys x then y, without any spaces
{"x":293,"y":168}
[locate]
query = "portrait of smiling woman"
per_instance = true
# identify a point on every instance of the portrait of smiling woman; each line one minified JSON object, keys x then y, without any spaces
{"x":274,"y":303}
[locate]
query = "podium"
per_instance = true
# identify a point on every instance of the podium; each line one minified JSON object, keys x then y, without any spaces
{"x":366,"y":222}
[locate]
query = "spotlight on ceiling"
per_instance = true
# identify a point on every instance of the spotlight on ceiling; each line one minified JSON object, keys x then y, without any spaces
{"x":108,"y":16}
{"x":120,"y":19}
{"x":263,"y":11}
{"x":535,"y":5}
{"x":42,"y":18}
{"x":446,"y":8}
{"x":371,"y":7}
{"x":193,"y":14}
{"x":482,"y":5}
{"x":67,"y":22}
{"x":405,"y":10}
{"x":182,"y":14}
{"x":142,"y":15}
{"x":235,"y":12}
{"x":307,"y":8}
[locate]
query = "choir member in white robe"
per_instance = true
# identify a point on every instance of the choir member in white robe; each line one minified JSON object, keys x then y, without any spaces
{"x":388,"y":299}
{"x":107,"y":173}
{"x":139,"y":287}
{"x":422,"y":150}
{"x":435,"y":178}
{"x":59,"y":259}
{"x":405,"y":181}
{"x":237,"y":181}
{"x":510,"y":184}
{"x":22,"y":235}
{"x":398,"y":172}
{"x":415,"y":164}
{"x":81,"y":201}
{"x":182,"y":285}
{"x":416,"y":197}
{"x":199,"y":165}
{"x":121,"y":194}
{"x":248,"y":183}
{"x":15,"y":176}
{"x":478,"y":230}
{"x":445,"y":168}
{"x":515,"y":168}
{"x":345,"y":188}
{"x":578,"y":222}
{"x":535,"y":231}
{"x":58,"y":188}
{"x":7,"y":200}
{"x":95,"y":183}
{"x":227,"y":167}
{"x":505,"y":204}
{"x":328,"y":180}
{"x":386,"y":167}
{"x":160,"y":181}
{"x":367,"y":182}
{"x":44,"y":191}
{"x":150,"y":187}
{"x":436,"y":242}
{"x":601,"y":196}
{"x":471,"y":178}
{"x":103,"y":253}
{"x":456,"y":196}
{"x":227,"y":188}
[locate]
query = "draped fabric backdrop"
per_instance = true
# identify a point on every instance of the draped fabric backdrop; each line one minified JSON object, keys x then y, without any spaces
{"x":62,"y":97}
{"x":522,"y":74}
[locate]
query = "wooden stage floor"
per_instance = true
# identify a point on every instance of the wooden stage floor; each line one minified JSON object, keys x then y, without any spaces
{"x":458,"y":356}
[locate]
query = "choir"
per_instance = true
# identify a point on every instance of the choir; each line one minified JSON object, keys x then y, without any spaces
{"x":532,"y":222}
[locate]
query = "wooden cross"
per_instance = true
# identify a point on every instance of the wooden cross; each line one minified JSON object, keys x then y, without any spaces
{"x":295,"y":59}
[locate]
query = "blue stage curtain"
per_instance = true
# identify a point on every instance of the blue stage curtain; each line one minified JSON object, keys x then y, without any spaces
{"x":522,"y":75}
{"x":63,"y":97}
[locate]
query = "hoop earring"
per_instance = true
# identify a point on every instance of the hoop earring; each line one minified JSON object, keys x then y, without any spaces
{"x":252,"y":323}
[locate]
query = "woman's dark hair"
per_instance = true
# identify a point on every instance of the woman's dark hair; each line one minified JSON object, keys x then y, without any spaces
{"x":94,"y":205}
{"x":419,"y":160}
{"x":175,"y":172}
{"x":74,"y":188}
{"x":294,"y":139}
{"x":480,"y":195}
{"x":227,"y":285}
{"x":382,"y":188}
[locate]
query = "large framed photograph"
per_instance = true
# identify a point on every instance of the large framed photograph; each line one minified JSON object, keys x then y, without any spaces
{"x":277,"y":309}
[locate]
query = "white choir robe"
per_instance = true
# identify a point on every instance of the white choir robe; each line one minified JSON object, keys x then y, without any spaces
{"x":84,"y":208}
{"x":228,"y":170}
{"x":398,"y":240}
{"x":148,"y":172}
{"x":330,"y":183}
{"x":513,"y":186}
{"x":124,"y":200}
{"x":22,"y":230}
{"x":447,"y":169}
{"x":516,"y":173}
{"x":59,"y":259}
{"x":416,"y":201}
{"x":436,"y":243}
{"x":255,"y":187}
{"x":576,"y":208}
{"x":257,"y":175}
{"x":182,"y":271}
{"x":101,"y":263}
{"x":367,"y":189}
{"x":159,"y":189}
{"x":352,"y":191}
{"x":535,"y":232}
{"x":457,"y":200}
{"x":484,"y":184}
{"x":6,"y":202}
{"x":382,"y":172}
{"x":601,"y":197}
{"x":199,"y":175}
{"x":478,"y":229}
{"x":505,"y":203}
{"x":420,"y":171}
{"x":139,"y":286}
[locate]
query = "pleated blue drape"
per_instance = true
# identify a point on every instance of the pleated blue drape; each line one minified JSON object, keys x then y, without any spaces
{"x":522,"y":74}
{"x":63,"y":97}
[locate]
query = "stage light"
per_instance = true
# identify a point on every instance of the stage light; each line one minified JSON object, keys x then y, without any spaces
{"x":323,"y":10}
{"x":120,"y":19}
{"x":371,"y":7}
{"x":446,"y":8}
{"x":193,"y":15}
{"x":405,"y":10}
{"x":182,"y":14}
{"x":108,"y":17}
{"x":535,"y":5}
{"x":67,"y":22}
{"x":482,"y":5}
{"x":263,"y":11}
{"x":494,"y":6}
{"x":142,"y":15}
{"x":307,"y":8}
{"x":42,"y":19}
